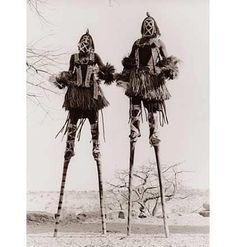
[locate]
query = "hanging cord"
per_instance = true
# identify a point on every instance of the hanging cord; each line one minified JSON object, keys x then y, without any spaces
{"x":103,"y":127}
{"x":65,"y":126}
{"x":146,"y":114}
{"x":164,"y":108}
{"x":79,"y":128}
{"x":130,"y":109}
{"x":163,"y":119}
{"x":142,"y":110}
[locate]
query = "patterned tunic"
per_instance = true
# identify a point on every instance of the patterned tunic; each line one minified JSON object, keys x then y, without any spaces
{"x":84,"y":92}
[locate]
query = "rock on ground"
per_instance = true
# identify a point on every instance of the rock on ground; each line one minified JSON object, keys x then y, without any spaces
{"x":40,"y":217}
{"x":205,"y":213}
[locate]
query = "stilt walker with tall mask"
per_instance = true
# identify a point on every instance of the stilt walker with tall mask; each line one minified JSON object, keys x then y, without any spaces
{"x":83,"y":100}
{"x":145,"y":73}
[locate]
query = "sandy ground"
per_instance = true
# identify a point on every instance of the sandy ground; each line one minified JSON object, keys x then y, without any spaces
{"x":187,"y":227}
{"x":117,"y":240}
{"x":143,"y":235}
{"x":112,"y":227}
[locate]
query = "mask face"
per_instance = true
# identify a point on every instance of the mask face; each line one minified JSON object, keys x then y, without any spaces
{"x":85,"y":44}
{"x":149,"y":28}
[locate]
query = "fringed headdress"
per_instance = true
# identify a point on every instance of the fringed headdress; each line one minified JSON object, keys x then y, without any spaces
{"x":149,"y":27}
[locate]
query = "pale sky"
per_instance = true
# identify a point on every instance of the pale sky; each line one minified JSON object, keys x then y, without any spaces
{"x":114,"y":27}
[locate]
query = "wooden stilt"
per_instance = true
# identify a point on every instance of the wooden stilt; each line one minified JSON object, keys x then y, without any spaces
{"x":166,"y":229}
{"x":63,"y":181}
{"x":101,"y":196}
{"x":131,"y":164}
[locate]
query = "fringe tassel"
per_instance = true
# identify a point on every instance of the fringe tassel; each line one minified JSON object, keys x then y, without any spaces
{"x":82,"y":99}
{"x":103,"y":127}
{"x":80,"y":126}
{"x":64,"y":125}
{"x":146,"y":86}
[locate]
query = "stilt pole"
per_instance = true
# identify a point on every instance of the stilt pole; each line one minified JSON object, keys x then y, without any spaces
{"x":131,"y":164}
{"x":166,"y":229}
{"x":97,"y":158}
{"x":67,"y":157}
{"x":63,"y":181}
{"x":101,"y":196}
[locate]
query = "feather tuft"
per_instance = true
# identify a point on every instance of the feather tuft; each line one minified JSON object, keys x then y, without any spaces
{"x":169,"y":68}
{"x":63,"y":79}
{"x":107,"y":73}
{"x":128,"y":63}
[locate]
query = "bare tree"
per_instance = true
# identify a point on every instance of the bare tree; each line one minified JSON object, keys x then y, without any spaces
{"x":146,"y":189}
{"x":36,"y":6}
{"x":41,"y":63}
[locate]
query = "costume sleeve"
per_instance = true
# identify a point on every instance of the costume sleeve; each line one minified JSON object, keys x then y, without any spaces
{"x":129,"y":62}
{"x":98,"y":61}
{"x":72,"y":63}
{"x":132,"y":54}
{"x":163,"y":49}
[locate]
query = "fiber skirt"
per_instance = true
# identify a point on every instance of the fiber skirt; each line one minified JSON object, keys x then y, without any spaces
{"x":146,"y":86}
{"x":82,"y":99}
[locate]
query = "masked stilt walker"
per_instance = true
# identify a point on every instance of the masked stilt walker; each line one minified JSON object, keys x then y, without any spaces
{"x":145,"y":73}
{"x":83,"y":100}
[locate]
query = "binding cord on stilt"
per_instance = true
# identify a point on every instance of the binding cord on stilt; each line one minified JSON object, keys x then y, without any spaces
{"x":70,"y":143}
{"x":95,"y":135}
{"x":153,"y":128}
{"x":135,"y":123}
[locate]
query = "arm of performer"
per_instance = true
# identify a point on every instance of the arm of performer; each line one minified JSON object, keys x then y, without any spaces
{"x":163,"y":49}
{"x":106,"y":72}
{"x":72,"y":64}
{"x":62,"y":80}
{"x":98,"y":61}
{"x":132,"y":54}
{"x":168,"y":65}
{"x":129,"y":62}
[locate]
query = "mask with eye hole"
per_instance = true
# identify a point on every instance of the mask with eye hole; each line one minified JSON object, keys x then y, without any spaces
{"x":149,"y":28}
{"x":86,"y":44}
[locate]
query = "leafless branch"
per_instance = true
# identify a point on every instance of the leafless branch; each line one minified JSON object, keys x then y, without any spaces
{"x":35,"y":6}
{"x":146,"y":188}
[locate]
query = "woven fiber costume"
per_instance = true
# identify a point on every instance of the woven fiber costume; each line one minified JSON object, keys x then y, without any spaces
{"x":145,"y":73}
{"x":84,"y":98}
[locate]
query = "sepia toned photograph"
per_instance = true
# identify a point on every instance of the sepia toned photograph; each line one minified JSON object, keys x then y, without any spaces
{"x":117,"y":123}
